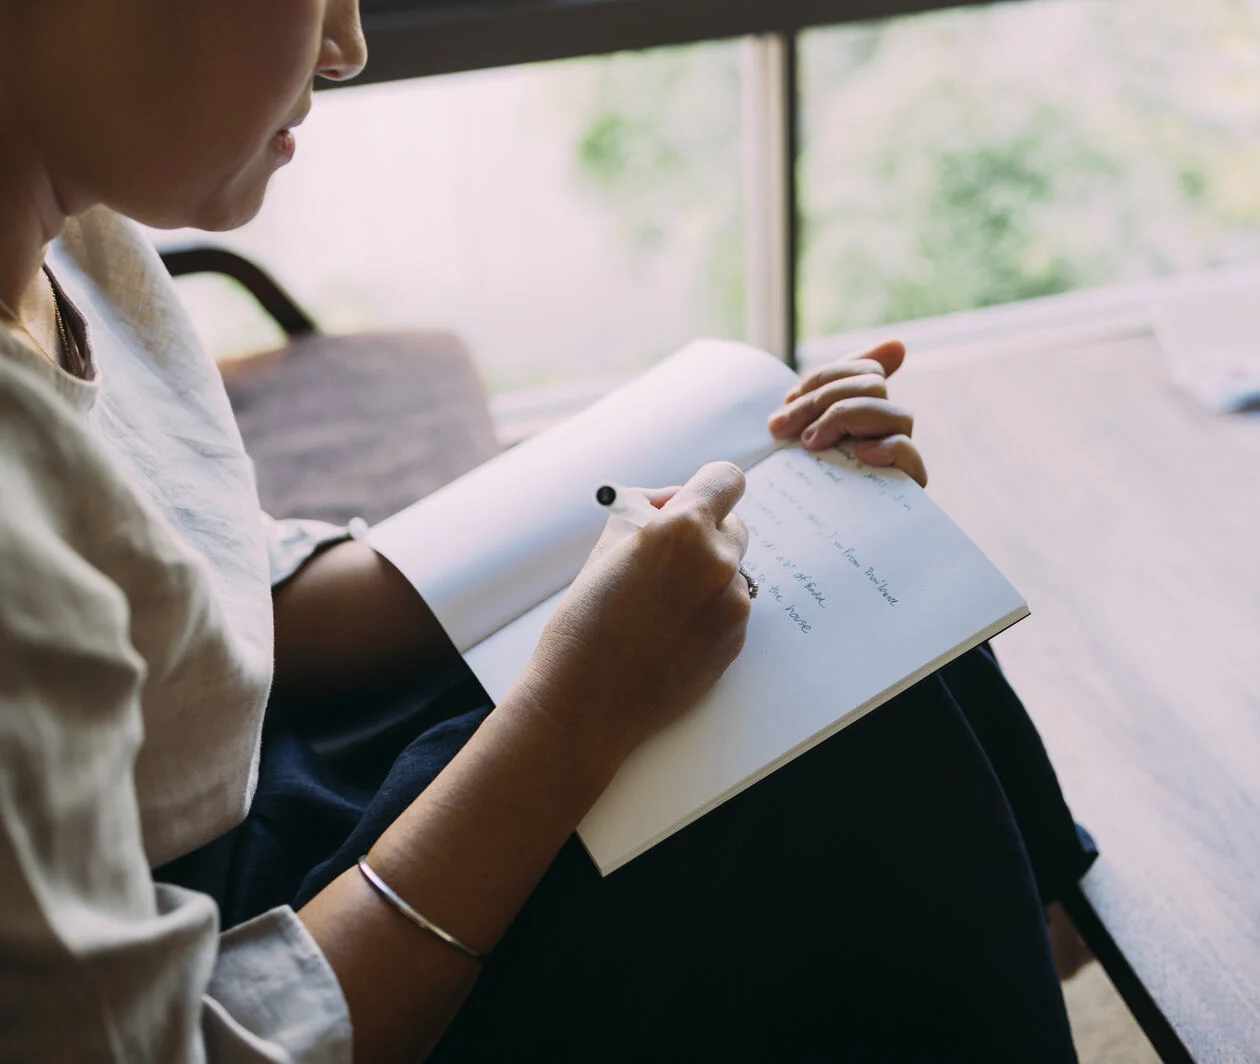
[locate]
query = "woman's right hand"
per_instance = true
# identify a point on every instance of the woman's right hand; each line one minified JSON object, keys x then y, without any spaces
{"x":652,"y":621}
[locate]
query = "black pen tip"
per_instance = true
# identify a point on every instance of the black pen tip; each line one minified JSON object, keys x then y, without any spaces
{"x":606,"y":495}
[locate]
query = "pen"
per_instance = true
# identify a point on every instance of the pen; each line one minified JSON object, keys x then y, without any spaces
{"x":626,"y":503}
{"x":633,"y":506}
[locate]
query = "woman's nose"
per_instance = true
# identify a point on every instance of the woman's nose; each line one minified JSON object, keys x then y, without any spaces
{"x":343,"y":54}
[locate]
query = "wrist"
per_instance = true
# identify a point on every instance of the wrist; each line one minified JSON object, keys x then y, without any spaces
{"x":591,"y":750}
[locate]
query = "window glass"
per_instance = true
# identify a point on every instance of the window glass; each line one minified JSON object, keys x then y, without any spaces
{"x":966,"y":158}
{"x":569,"y":221}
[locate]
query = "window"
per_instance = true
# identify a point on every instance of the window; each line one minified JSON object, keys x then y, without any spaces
{"x":973,"y":157}
{"x":575,"y":221}
{"x":571,"y":222}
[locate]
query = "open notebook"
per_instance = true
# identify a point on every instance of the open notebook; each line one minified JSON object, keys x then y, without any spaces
{"x":866,"y":586}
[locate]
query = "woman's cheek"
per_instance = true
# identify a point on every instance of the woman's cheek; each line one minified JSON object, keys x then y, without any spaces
{"x":271,"y":50}
{"x":236,"y":71}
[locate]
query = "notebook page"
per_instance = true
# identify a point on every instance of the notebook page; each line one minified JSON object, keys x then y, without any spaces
{"x":489,"y":547}
{"x":866,"y":587}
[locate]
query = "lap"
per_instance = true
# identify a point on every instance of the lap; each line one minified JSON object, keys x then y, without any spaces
{"x":871,"y":901}
{"x":875,"y":899}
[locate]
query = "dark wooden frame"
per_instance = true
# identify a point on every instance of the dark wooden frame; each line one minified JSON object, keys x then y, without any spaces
{"x":1161,"y":1034}
{"x":410,"y":40}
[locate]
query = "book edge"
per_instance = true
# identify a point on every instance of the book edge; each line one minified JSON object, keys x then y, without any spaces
{"x":987,"y":633}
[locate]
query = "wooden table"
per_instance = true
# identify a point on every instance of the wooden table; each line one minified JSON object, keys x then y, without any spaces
{"x":1130,"y":520}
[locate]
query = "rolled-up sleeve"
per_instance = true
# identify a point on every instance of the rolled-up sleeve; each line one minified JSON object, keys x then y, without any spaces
{"x":291,"y":542}
{"x":97,"y":962}
{"x":260,"y":964}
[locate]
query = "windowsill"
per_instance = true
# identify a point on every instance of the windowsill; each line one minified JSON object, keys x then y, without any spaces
{"x":1046,"y":324}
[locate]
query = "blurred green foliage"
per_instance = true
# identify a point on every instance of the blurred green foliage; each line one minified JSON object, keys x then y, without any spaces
{"x":958,"y":159}
{"x":661,"y":145}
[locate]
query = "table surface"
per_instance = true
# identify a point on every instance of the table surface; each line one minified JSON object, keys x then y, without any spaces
{"x":1130,"y":520}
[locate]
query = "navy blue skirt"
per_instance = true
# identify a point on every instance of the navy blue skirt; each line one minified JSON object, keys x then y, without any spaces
{"x":881,"y":898}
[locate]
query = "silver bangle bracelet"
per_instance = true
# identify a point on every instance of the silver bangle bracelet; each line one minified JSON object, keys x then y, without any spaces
{"x":387,"y":892}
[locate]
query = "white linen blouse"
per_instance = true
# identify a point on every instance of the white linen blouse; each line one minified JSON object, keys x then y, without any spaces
{"x":136,"y":655}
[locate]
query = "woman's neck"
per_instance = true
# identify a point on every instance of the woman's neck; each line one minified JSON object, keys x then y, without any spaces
{"x":31,"y":214}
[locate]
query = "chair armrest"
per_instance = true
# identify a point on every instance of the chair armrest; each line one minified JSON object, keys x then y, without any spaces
{"x":260,"y":284}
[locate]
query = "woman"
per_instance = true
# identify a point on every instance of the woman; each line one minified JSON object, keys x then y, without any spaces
{"x":879,"y":898}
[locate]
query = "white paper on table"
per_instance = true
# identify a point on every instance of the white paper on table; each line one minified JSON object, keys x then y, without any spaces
{"x":1211,"y":338}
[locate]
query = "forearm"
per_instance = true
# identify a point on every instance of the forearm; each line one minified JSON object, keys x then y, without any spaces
{"x":466,"y":854}
{"x":347,"y":618}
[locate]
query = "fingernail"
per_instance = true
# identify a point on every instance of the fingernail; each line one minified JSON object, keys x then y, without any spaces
{"x":808,"y":435}
{"x":778,"y":419}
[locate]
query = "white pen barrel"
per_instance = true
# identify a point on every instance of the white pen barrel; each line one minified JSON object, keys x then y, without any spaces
{"x":627,"y":503}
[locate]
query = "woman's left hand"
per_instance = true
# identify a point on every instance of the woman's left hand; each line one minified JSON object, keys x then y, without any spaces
{"x":849,"y":397}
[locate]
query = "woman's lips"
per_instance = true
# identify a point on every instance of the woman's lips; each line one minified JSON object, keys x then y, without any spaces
{"x":285,"y":145}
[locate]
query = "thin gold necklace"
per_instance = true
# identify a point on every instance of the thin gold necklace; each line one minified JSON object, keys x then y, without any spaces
{"x":62,"y":331}
{"x":70,"y":349}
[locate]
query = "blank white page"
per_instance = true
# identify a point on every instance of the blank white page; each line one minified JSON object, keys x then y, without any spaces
{"x":866,"y":588}
{"x":493,"y":544}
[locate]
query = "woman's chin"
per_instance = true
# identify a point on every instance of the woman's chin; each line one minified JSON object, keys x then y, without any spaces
{"x":220,"y":217}
{"x":187,"y":197}
{"x":234,"y":206}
